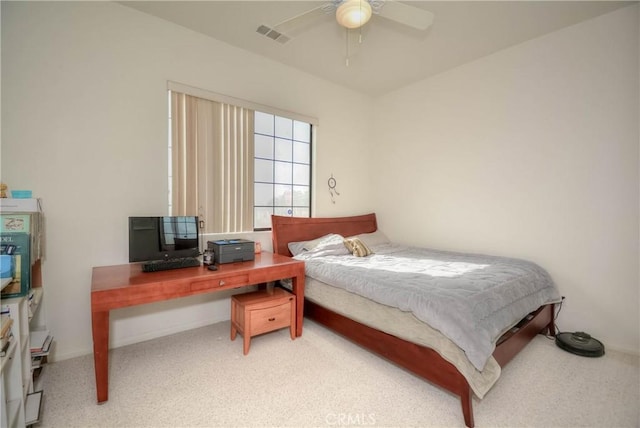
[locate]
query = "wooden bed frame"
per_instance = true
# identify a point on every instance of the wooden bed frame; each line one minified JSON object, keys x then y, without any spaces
{"x":420,"y":360}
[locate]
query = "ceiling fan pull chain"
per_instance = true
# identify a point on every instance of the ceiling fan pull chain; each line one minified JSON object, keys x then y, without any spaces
{"x":347,"y":39}
{"x":361,"y":24}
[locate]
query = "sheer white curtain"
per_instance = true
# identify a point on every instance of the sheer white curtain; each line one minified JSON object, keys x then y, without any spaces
{"x":212,"y":162}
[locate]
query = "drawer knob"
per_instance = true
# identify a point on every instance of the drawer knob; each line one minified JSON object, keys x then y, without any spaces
{"x":221,"y":283}
{"x":272,"y":319}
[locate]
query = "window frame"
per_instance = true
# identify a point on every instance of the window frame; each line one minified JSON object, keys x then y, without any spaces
{"x":201,"y":93}
{"x":274,"y":160}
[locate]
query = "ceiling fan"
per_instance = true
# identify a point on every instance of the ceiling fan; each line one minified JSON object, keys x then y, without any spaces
{"x":351,"y":14}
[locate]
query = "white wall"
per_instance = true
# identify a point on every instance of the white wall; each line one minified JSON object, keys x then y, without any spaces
{"x":84,"y":125}
{"x":533,"y":153}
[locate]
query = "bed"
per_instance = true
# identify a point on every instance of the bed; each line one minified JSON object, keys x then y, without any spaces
{"x":393,"y":333}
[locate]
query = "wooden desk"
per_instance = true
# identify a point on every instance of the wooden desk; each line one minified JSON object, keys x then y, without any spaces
{"x":119,"y":286}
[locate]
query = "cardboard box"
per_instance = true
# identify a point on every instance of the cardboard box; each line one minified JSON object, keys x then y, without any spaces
{"x":19,"y":244}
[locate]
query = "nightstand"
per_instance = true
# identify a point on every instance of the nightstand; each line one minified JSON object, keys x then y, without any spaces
{"x":261,"y":312}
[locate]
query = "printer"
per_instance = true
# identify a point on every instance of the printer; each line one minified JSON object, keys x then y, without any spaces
{"x":232,"y":250}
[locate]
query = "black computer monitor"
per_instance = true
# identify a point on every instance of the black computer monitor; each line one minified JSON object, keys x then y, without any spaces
{"x":161,"y":238}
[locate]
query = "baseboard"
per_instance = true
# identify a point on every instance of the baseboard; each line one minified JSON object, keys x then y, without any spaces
{"x":174,"y":329}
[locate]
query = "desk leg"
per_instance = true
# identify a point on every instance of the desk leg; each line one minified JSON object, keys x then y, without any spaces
{"x":298,"y":290}
{"x":100,"y":326}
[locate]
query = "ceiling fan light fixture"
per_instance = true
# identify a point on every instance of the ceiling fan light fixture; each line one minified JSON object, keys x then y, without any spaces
{"x":353,"y":13}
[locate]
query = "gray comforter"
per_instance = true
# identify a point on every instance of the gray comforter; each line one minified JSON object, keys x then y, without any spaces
{"x":472,"y":299}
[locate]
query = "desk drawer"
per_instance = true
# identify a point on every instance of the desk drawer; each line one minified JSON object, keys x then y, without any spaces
{"x":224,"y":282}
{"x":269,"y":319}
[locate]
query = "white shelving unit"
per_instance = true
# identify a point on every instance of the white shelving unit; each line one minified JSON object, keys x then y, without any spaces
{"x":21,"y":402}
{"x":20,"y":399}
{"x":16,"y":365}
{"x":12,"y":401}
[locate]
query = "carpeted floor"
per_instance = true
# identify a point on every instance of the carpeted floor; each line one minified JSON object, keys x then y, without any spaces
{"x":200,"y":378}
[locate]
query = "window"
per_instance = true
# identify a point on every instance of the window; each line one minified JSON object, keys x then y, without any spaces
{"x":282,"y":168}
{"x":234,"y":166}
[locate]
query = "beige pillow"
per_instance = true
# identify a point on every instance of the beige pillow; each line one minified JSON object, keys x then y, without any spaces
{"x":357,"y":247}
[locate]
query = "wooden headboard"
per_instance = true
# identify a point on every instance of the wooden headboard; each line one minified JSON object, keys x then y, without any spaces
{"x":295,"y":229}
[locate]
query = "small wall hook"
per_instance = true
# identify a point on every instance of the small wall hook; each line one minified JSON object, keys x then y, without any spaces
{"x":332,"y":188}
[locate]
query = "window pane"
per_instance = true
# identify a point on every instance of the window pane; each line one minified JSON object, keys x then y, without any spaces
{"x":284,"y":150}
{"x":263,"y":194}
{"x":300,"y":174}
{"x":262,"y":217}
{"x":263,"y":170}
{"x":302,"y":131}
{"x":284,"y":127}
{"x":283,"y":211}
{"x":301,"y":196}
{"x":301,"y":212}
{"x":301,"y":152}
{"x":283,"y":195}
{"x":263,"y":147}
{"x":283,"y":172}
{"x":263,"y":123}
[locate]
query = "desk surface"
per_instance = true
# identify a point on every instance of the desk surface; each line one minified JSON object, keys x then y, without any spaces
{"x":127,"y":285}
{"x":119,"y":286}
{"x":131,"y":274}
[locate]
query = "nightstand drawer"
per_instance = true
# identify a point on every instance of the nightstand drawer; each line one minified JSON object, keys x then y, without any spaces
{"x":268,"y":319}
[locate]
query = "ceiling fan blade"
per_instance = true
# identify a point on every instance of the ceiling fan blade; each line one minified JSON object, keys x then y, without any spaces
{"x":403,"y":13}
{"x":302,"y":20}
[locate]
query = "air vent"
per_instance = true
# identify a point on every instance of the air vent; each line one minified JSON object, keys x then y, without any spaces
{"x":263,"y":29}
{"x":272,"y":34}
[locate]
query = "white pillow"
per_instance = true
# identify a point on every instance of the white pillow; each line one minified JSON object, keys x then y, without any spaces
{"x":296,"y":247}
{"x":329,"y":239}
{"x":372,"y":239}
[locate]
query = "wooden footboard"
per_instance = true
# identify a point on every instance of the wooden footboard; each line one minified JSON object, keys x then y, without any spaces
{"x":420,"y":360}
{"x":516,"y":339}
{"x":425,"y":362}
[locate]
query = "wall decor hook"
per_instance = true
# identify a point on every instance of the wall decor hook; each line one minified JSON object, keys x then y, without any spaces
{"x":331,"y":182}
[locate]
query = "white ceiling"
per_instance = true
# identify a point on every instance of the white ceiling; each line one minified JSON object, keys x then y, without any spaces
{"x":390,"y":55}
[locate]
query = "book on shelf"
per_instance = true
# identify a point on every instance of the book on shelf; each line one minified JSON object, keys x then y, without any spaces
{"x":44,"y":350}
{"x":35,"y":294}
{"x":5,"y":324}
{"x":39,"y":341}
{"x":33,"y":408}
{"x":4,"y":344}
{"x":17,"y":247}
{"x":5,"y":333}
{"x":36,"y":362}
